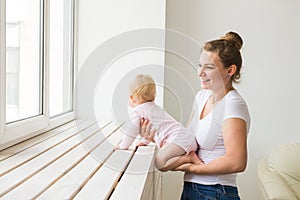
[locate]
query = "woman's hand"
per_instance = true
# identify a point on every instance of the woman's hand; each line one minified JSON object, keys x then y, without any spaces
{"x":184,"y":167}
{"x":188,"y":167}
{"x":145,"y":130}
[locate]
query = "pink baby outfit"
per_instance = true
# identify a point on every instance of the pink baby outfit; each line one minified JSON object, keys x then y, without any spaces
{"x":168,"y":130}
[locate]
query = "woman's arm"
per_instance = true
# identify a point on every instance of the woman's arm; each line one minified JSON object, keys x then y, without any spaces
{"x":235,"y":158}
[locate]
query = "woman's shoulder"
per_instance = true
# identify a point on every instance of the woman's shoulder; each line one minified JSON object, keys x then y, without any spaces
{"x":234,"y":97}
{"x":236,"y":106}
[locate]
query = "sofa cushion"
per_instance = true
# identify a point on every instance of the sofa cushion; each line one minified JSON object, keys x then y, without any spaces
{"x":272,"y":186}
{"x":285,"y":161}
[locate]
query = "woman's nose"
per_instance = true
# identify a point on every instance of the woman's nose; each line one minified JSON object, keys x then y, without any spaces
{"x":201,"y":72}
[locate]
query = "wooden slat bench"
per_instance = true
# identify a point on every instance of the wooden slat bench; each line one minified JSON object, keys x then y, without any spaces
{"x":78,"y":161}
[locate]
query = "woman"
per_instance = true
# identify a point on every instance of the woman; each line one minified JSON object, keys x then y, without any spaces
{"x":220,"y":121}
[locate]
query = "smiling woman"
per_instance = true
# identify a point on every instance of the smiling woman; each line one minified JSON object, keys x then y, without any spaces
{"x":220,"y":123}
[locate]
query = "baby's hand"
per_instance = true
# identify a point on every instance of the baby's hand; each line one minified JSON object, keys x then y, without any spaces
{"x":118,"y":148}
{"x":141,"y":144}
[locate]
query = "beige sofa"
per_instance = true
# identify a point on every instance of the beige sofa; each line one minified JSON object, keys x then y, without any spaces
{"x":279,"y":173}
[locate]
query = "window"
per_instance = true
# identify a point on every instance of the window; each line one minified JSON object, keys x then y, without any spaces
{"x":61,"y":57}
{"x":37,"y":66}
{"x":23,"y":60}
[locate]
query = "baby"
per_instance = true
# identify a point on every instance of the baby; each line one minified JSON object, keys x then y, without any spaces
{"x":173,"y":140}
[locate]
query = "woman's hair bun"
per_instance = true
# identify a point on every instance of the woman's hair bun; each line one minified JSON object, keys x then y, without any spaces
{"x":233,"y":37}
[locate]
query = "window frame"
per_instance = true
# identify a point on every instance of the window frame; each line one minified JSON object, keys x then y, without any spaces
{"x":14,"y":132}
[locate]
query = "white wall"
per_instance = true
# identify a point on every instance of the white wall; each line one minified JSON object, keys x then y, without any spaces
{"x":116,"y":40}
{"x":271,"y":70}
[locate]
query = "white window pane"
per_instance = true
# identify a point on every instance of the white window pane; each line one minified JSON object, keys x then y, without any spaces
{"x":60,"y":91}
{"x":23,"y":59}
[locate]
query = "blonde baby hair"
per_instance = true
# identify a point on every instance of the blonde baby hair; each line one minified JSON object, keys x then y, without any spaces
{"x":144,"y":87}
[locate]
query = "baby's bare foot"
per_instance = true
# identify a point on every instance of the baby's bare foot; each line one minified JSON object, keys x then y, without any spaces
{"x":194,"y":157}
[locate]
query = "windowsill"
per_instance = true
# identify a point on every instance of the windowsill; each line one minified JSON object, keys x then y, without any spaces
{"x":25,"y":129}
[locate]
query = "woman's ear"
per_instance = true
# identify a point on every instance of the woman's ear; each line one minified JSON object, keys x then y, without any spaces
{"x":231,"y":70}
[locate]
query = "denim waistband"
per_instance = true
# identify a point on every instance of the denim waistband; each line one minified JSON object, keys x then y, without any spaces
{"x":218,"y":187}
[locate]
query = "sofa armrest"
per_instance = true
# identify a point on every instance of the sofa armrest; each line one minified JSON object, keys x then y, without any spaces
{"x":271,"y":184}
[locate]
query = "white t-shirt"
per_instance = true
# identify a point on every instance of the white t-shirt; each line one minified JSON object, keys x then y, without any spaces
{"x":168,"y":130}
{"x":208,"y":132}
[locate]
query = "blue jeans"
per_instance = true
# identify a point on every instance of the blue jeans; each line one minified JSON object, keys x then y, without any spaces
{"x":195,"y":191}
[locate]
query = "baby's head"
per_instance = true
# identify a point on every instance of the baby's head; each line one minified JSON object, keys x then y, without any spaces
{"x":142,"y":89}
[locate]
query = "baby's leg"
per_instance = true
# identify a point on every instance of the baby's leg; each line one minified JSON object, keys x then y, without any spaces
{"x":171,"y":156}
